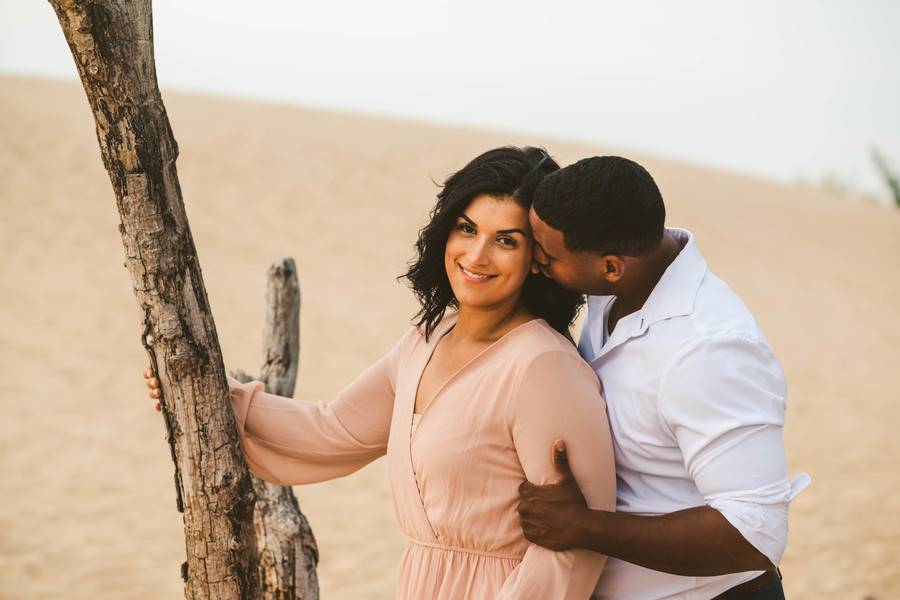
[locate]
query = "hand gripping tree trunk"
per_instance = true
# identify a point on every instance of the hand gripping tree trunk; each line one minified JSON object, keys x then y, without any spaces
{"x":112,"y":43}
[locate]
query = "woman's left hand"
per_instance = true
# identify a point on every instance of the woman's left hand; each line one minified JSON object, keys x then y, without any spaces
{"x":153,"y":383}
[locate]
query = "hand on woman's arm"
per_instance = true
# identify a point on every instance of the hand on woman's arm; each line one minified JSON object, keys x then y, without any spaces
{"x":729,"y":428}
{"x":559,"y":397}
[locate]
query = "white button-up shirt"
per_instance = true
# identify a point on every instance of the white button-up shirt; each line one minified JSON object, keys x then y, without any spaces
{"x":696,"y":403}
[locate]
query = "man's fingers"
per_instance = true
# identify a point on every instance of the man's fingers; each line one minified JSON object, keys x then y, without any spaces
{"x":561,"y":459}
{"x":525,"y":488}
{"x":529,"y":534}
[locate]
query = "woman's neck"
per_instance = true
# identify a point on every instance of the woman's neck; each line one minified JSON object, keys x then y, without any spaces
{"x":477,"y":324}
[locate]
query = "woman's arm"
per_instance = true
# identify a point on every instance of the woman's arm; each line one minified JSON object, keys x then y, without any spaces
{"x":289,"y":442}
{"x":559,"y":397}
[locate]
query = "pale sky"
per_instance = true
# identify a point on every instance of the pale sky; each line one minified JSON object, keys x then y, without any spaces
{"x":785,"y":90}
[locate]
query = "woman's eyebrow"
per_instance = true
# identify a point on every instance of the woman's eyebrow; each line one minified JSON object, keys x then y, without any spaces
{"x":500,"y":231}
{"x":513,"y":230}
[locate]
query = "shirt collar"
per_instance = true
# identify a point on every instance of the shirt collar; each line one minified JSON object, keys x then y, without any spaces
{"x":675,"y":292}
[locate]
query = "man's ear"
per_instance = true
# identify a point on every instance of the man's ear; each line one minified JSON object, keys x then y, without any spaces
{"x":612,"y":267}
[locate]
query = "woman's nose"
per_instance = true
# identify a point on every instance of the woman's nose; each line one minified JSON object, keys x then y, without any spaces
{"x":478,"y":252}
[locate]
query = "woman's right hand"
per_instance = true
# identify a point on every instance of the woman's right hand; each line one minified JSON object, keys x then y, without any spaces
{"x":153,"y":383}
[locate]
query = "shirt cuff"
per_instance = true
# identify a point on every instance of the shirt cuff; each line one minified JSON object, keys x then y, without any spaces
{"x":763,"y":524}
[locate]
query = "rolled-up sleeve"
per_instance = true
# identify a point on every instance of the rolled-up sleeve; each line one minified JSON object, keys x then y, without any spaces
{"x":724,"y":400}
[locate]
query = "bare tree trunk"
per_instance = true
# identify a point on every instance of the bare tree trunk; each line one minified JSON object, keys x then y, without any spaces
{"x":287,"y":549}
{"x":112,"y":43}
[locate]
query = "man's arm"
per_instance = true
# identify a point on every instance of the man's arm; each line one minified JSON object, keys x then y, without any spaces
{"x":694,"y":542}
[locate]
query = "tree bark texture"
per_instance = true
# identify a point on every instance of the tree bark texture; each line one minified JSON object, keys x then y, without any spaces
{"x":287,"y":549}
{"x":112,"y":43}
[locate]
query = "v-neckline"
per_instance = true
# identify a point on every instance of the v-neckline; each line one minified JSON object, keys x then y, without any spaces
{"x":408,"y":412}
{"x":453,"y":375}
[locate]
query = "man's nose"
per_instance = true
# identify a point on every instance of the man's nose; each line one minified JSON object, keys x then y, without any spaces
{"x":539,"y":260}
{"x":541,"y":266}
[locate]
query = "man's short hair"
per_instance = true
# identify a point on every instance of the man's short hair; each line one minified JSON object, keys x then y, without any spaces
{"x":603,"y":205}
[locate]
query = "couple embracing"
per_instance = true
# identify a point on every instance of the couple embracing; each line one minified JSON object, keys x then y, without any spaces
{"x":645,"y":463}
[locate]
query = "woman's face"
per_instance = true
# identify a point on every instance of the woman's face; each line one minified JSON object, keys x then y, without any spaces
{"x":488,"y":252}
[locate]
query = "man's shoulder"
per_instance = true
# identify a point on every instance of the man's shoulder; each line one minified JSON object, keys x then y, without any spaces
{"x":537,"y":338}
{"x":718,"y":316}
{"x":720,"y":336}
{"x":720,"y":312}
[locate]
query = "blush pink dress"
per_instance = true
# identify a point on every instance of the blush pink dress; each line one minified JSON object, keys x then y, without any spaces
{"x":455,"y":469}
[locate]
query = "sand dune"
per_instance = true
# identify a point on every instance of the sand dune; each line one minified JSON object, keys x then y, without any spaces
{"x":88,"y":506}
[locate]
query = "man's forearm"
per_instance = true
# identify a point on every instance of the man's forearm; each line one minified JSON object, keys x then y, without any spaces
{"x":693,"y":542}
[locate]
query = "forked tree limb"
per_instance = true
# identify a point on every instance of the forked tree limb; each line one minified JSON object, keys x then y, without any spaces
{"x":287,"y":549}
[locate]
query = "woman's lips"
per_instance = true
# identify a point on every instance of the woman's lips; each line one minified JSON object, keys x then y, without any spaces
{"x":473,"y":277}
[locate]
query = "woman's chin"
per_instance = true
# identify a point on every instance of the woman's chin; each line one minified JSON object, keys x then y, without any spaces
{"x":470,"y":299}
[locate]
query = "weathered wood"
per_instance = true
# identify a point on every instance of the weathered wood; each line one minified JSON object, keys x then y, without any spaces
{"x":112,"y":43}
{"x":287,"y":549}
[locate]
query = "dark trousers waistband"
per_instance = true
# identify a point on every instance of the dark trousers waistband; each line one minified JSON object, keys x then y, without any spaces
{"x":763,"y":587}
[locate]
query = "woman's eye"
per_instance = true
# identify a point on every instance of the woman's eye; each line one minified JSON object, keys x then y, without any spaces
{"x":465,"y":228}
{"x":507,"y":241}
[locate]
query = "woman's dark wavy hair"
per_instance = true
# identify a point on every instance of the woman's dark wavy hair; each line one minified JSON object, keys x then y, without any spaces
{"x":507,"y":172}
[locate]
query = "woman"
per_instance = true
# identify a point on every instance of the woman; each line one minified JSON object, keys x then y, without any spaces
{"x":466,"y":405}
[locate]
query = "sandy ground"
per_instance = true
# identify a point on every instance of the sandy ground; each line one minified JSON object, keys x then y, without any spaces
{"x":88,"y":505}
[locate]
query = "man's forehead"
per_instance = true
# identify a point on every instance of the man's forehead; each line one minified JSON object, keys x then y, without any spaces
{"x":547,"y":233}
{"x":536,"y":219}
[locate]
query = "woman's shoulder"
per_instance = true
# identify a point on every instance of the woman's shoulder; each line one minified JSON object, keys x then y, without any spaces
{"x":416,"y":333}
{"x":539,"y":337}
{"x":531,"y":341}
{"x":548,"y":360}
{"x":537,"y":343}
{"x":415,"y":338}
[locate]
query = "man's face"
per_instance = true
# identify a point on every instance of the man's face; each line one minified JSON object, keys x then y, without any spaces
{"x":578,"y":271}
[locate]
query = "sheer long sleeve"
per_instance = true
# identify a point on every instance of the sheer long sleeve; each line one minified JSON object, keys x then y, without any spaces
{"x":290,"y":442}
{"x":559,"y":397}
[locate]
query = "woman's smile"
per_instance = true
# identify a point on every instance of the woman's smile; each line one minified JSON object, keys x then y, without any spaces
{"x":473,"y":276}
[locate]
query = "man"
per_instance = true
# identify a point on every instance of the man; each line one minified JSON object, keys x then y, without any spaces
{"x":696,"y":400}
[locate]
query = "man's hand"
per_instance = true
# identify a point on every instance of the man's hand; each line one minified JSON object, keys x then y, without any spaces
{"x":694,"y":542}
{"x":550,"y":514}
